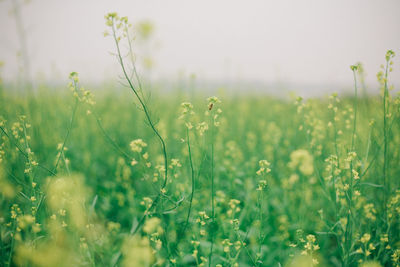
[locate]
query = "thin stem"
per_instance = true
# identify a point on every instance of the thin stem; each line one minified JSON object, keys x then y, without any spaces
{"x":349,"y":225}
{"x":146,"y":111}
{"x":12,"y":245}
{"x":193,"y":178}
{"x":212,"y":175}
{"x":68,"y":132}
{"x":23,"y":153}
{"x":355,"y":111}
{"x":24,"y":48}
{"x":133,"y":62}
{"x":112,"y":142}
{"x":260,"y":234}
{"x":147,"y":114}
{"x":212,"y":191}
{"x":121,"y":62}
{"x":385,"y":143}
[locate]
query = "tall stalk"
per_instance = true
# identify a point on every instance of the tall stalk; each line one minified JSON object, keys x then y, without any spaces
{"x":192,"y":176}
{"x":383,"y":79}
{"x":187,"y":112}
{"x":25,"y":69}
{"x":213,"y":113}
{"x":115,"y":23}
{"x":349,"y":224}
{"x":212,"y":191}
{"x":355,"y":106}
{"x":385,"y":140}
{"x":66,"y":136}
{"x":262,"y":185}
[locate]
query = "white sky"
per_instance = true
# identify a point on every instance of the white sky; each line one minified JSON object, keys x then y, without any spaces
{"x":301,"y":42}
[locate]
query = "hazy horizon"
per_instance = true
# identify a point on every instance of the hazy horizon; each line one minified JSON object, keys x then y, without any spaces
{"x":286,"y":42}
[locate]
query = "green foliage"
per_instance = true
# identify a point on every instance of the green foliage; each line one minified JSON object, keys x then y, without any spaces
{"x":264,"y":210}
{"x":246,"y":181}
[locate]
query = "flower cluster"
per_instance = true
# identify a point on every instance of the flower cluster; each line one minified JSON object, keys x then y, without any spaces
{"x":263,"y":171}
{"x":137,"y":145}
{"x":303,"y":160}
{"x":212,"y":102}
{"x":80,"y":93}
{"x":119,"y":26}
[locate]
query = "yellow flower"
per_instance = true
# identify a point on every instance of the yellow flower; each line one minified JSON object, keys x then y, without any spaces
{"x":152,"y":225}
{"x":137,"y":145}
{"x":365,"y":238}
{"x":303,"y":160}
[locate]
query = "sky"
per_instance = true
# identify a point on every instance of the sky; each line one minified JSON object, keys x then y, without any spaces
{"x":303,"y":42}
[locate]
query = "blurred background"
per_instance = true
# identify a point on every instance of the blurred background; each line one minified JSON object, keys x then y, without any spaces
{"x":267,"y":46}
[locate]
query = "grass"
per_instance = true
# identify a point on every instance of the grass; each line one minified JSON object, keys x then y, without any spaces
{"x":94,"y":180}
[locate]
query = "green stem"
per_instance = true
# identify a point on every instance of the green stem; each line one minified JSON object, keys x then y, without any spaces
{"x":143,"y":105}
{"x":355,"y":111}
{"x":68,"y":132}
{"x":193,"y":178}
{"x":146,"y":111}
{"x":386,"y":186}
{"x":12,"y":245}
{"x":23,"y":153}
{"x":212,"y":191}
{"x":112,"y":142}
{"x":349,"y":225}
{"x":260,"y":235}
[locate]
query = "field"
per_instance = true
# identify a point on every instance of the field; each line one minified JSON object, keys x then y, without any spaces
{"x":131,"y":176}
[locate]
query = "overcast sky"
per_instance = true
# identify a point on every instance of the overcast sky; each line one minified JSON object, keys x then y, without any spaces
{"x":304,"y":42}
